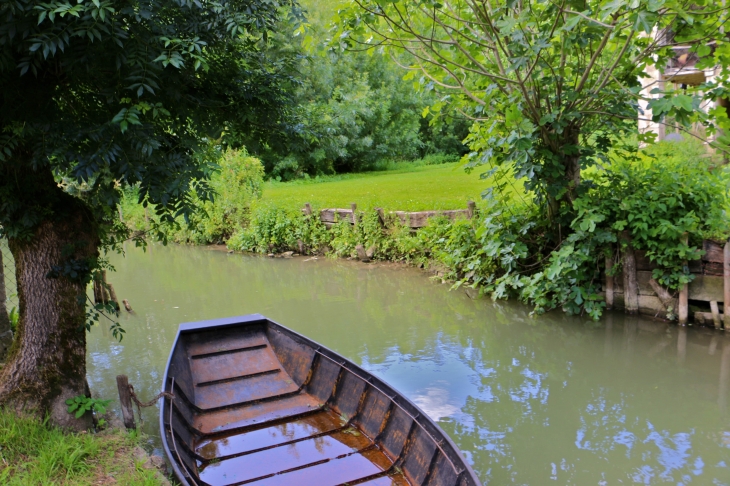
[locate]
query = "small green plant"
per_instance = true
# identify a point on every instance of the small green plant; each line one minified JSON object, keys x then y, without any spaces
{"x":81,"y":404}
{"x":14,"y":316}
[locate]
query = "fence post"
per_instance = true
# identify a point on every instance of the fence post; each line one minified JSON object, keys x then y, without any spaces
{"x":381,"y":216}
{"x":471,"y":208}
{"x":125,"y":399}
{"x":353,"y":207}
{"x":683,"y":305}
{"x":609,"y":282}
{"x":631,"y":286}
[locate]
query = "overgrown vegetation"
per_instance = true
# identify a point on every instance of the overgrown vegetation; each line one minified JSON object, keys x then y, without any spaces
{"x":669,"y":190}
{"x":34,"y":452}
{"x":236,"y":183}
{"x":348,"y":110}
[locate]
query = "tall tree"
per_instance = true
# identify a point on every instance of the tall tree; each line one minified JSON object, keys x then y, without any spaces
{"x":98,"y":93}
{"x":553,"y":85}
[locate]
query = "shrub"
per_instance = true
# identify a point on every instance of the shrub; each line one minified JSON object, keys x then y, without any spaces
{"x":669,"y":190}
{"x":236,"y":183}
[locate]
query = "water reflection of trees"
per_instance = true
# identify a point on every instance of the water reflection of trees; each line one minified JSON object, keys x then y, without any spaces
{"x":549,"y":397}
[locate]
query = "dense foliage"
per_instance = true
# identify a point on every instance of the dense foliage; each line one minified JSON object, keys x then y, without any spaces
{"x":553,"y":87}
{"x":670,"y":190}
{"x":98,"y":95}
{"x":101,"y":93}
{"x":350,"y":110}
{"x":236,"y":183}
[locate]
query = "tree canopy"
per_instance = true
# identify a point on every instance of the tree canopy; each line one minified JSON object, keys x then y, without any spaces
{"x":108,"y":92}
{"x":553,"y":86}
{"x":97,"y":95}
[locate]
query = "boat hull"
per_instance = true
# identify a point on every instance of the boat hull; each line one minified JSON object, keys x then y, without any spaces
{"x":254,"y":402}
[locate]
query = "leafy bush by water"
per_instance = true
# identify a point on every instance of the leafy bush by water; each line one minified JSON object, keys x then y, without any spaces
{"x":237,"y":183}
{"x":669,"y":190}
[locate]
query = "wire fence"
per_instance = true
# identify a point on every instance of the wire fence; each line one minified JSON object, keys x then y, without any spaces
{"x":8,"y":267}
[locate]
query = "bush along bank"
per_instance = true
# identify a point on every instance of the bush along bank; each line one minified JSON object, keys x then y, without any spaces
{"x":662,"y":203}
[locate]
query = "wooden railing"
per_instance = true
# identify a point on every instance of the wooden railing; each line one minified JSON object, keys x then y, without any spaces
{"x":414,"y":220}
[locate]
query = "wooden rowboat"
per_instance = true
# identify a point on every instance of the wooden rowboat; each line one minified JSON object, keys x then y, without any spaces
{"x":257,"y":403}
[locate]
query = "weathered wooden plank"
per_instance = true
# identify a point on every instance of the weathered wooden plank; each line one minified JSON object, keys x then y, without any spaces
{"x":335,"y":215}
{"x":418,"y":457}
{"x":707,"y":288}
{"x":324,"y":377}
{"x":683,"y":300}
{"x":295,"y":358}
{"x":709,"y":268}
{"x":349,"y":393}
{"x":714,"y":252}
{"x":419,"y":219}
{"x":396,"y":432}
{"x":631,"y":286}
{"x":642,"y":261}
{"x":374,"y":412}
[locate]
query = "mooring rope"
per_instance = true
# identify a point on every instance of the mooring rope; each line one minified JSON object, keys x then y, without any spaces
{"x":141,"y":405}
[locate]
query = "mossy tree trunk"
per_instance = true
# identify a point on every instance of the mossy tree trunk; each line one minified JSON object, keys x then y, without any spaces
{"x":6,"y":336}
{"x":47,"y":364}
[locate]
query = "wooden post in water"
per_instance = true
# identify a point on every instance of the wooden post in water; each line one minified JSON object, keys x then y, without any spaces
{"x":683,"y":304}
{"x":715,"y":314}
{"x":471,"y":209}
{"x":125,"y":399}
{"x":609,"y":282}
{"x":631,"y":285}
{"x":128,"y":306}
{"x":726,"y":285}
{"x":113,"y":296}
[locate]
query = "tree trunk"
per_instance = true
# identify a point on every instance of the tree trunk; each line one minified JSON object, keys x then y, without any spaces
{"x":47,"y":365}
{"x":6,"y":335}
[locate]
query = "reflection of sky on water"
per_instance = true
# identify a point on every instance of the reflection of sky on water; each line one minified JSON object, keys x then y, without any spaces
{"x":439,"y":382}
{"x":445,"y":378}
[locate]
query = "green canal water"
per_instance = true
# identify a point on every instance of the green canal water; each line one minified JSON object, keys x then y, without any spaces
{"x":546,"y":400}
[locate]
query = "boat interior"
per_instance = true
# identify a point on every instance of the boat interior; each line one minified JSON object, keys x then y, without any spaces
{"x":257,"y":403}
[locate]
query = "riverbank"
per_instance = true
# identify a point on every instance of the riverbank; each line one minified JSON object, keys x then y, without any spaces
{"x":665,"y":205}
{"x":32,"y":452}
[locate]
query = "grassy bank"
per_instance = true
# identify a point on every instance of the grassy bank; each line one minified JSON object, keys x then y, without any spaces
{"x":33,"y":453}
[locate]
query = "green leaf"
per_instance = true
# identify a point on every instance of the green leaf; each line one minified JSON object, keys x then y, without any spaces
{"x":683,"y":101}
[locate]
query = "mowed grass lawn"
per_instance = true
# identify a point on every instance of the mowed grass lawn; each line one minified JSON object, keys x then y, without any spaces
{"x":416,"y":188}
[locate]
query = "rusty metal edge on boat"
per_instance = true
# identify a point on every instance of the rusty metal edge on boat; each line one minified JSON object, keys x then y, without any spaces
{"x":246,"y":375}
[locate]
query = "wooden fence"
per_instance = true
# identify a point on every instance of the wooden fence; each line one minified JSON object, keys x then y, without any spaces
{"x":414,"y":220}
{"x":634,"y":290}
